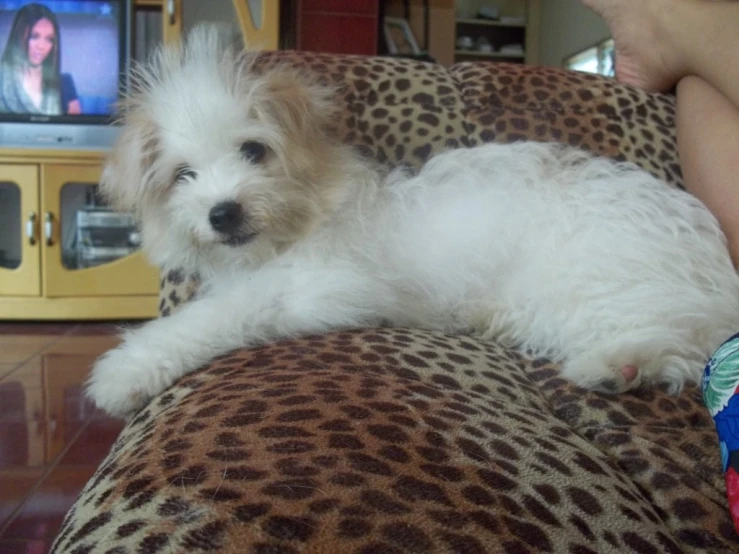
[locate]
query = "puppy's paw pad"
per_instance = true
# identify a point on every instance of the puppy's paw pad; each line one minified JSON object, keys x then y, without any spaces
{"x":630,"y":373}
{"x":598,"y":377}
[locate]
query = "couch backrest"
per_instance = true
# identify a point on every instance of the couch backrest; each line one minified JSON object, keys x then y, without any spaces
{"x":400,"y":111}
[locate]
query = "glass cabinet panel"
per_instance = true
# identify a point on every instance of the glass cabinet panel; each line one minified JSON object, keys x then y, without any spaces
{"x":87,"y":248}
{"x":19,"y":231}
{"x":255,"y":8}
{"x":11,"y":232}
{"x":91,"y":234}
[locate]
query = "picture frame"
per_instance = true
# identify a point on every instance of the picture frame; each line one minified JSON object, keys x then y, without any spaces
{"x":399,"y":38}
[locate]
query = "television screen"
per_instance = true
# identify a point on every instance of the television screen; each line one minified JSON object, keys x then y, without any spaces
{"x":61,"y":60}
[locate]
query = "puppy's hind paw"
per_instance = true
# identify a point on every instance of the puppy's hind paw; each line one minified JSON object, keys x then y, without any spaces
{"x":594,"y":374}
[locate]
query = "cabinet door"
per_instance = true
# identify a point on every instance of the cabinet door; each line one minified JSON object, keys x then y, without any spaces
{"x":19,"y":240}
{"x":258,"y":21}
{"x":88,"y":250}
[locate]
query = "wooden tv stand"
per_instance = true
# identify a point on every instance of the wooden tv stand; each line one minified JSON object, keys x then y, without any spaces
{"x":40,"y":192}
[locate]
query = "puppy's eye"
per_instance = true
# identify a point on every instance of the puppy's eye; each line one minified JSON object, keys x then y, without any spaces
{"x":253,"y":151}
{"x":184,"y":172}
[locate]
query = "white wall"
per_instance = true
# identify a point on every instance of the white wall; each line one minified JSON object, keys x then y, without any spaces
{"x":566,"y":27}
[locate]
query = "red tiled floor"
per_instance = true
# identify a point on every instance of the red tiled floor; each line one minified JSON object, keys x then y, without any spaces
{"x":5,"y":369}
{"x":51,"y":437}
{"x":15,"y":349}
{"x":16,"y":488}
{"x":25,"y":547}
{"x":96,"y":328}
{"x":35,"y":328}
{"x":93,"y":443}
{"x":42,"y":513}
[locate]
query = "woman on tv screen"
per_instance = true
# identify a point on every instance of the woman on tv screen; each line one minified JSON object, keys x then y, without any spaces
{"x":30,"y":80}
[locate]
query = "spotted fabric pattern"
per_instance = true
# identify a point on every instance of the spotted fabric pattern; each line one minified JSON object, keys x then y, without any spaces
{"x":402,"y":440}
{"x":511,"y":102}
{"x":175,"y":288}
{"x":397,"y":441}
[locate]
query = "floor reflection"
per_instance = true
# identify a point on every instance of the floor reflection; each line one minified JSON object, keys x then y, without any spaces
{"x":51,"y":437}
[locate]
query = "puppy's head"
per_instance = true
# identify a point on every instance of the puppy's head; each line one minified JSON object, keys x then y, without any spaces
{"x":220,"y":163}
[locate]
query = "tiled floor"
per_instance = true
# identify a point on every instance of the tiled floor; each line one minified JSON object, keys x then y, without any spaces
{"x":51,"y":438}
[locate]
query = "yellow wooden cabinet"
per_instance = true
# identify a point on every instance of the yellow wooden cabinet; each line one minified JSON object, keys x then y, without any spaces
{"x":128,"y":275}
{"x":43,"y":274}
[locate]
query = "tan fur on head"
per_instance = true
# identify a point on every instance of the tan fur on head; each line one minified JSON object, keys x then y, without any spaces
{"x":125,"y":172}
{"x":292,"y":102}
{"x":193,"y":106}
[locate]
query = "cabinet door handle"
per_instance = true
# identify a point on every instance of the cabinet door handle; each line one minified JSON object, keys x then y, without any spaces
{"x":49,"y":228}
{"x":31,"y":229}
{"x":171,"y":11}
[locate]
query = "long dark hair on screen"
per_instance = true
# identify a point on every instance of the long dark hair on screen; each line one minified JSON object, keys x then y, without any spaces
{"x":15,"y":55}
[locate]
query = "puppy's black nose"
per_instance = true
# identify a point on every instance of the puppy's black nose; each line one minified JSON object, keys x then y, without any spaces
{"x":226,"y":217}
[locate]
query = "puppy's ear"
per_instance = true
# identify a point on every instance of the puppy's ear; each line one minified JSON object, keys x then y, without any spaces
{"x":299,"y":105}
{"x":125,"y":182}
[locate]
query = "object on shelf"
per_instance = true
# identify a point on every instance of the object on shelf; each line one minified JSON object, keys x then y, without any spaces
{"x":513,"y":20}
{"x":104,"y":236}
{"x":465,"y":43}
{"x":482,"y":44}
{"x":512,"y":49}
{"x":101,"y":235}
{"x":491,"y":13}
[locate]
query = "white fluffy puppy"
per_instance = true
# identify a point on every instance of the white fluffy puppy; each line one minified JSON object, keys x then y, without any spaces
{"x":233,"y":174}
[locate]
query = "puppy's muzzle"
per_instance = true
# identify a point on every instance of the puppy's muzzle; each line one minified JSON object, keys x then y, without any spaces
{"x":229,"y":220}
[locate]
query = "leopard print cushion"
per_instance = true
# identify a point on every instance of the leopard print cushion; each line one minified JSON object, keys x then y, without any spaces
{"x":510,"y":102}
{"x":175,"y":288}
{"x":398,"y":441}
{"x":394,"y":440}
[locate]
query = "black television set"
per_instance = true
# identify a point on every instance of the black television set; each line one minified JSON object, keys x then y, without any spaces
{"x":63,"y":67}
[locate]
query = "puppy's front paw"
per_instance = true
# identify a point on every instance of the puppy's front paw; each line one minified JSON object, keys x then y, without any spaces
{"x":124,"y":380}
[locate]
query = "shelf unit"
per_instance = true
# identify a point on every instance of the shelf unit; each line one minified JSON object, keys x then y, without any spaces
{"x":490,"y":23}
{"x":498,"y":33}
{"x":492,"y":55}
